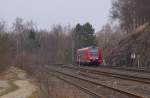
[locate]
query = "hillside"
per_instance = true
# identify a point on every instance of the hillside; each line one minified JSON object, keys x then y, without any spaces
{"x":138,"y":43}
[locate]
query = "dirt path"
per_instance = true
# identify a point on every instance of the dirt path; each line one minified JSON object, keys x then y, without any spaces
{"x":25,"y":87}
{"x":25,"y":90}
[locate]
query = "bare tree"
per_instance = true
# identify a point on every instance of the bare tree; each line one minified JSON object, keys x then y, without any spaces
{"x":131,"y":13}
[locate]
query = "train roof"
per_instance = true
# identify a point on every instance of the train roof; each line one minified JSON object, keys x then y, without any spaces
{"x":87,"y":48}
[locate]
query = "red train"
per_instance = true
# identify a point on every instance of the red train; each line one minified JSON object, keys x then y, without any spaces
{"x":89,"y":56}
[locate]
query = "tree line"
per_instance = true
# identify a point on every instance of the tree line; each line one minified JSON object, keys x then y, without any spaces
{"x":130,"y":13}
{"x":25,"y":45}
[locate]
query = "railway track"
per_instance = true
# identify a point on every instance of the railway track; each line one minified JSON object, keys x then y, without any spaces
{"x":99,"y":90}
{"x":141,"y":69}
{"x":112,"y":74}
{"x":75,"y":83}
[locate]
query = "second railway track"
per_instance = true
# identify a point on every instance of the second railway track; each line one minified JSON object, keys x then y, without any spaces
{"x":98,"y":89}
{"x":132,"y":77}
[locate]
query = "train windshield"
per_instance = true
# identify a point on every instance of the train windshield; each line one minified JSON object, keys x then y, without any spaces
{"x":94,"y":52}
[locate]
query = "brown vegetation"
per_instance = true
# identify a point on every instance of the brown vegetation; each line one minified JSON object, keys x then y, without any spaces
{"x":135,"y":43}
{"x":52,"y":87}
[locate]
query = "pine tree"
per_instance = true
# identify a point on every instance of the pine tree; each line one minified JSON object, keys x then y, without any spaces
{"x":84,"y":35}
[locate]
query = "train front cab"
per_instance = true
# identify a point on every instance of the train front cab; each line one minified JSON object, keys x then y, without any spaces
{"x":95,"y":56}
{"x":89,"y":56}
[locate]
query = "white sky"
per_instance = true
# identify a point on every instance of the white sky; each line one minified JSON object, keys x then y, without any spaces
{"x":48,"y":12}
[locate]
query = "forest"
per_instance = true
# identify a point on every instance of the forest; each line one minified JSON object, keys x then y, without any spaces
{"x":23,"y":44}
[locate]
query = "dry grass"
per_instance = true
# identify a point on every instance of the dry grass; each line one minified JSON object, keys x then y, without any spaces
{"x":34,"y":95}
{"x":56,"y":88}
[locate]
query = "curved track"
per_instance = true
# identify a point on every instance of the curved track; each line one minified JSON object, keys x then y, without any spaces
{"x":92,"y":87}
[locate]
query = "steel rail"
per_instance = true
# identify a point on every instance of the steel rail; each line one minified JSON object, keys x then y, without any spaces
{"x":86,"y":90}
{"x":93,"y":82}
{"x":110,"y":74}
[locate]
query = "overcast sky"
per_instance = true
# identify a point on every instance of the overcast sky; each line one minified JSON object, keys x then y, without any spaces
{"x":48,"y":12}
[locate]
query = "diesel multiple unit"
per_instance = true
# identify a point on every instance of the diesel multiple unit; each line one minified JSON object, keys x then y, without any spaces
{"x":89,"y":56}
